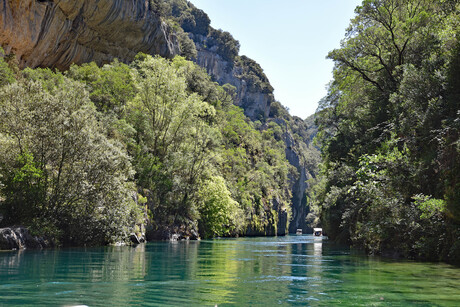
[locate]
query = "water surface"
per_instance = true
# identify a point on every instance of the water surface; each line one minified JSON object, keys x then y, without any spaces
{"x":283,"y":271}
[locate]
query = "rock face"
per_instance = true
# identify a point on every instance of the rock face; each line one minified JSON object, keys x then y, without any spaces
{"x":61,"y":32}
{"x":299,"y":201}
{"x":256,"y":104}
{"x":281,"y":227}
{"x":20,"y":238}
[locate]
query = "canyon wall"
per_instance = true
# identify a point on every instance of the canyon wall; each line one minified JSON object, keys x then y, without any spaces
{"x":256,"y":104}
{"x":58,"y":33}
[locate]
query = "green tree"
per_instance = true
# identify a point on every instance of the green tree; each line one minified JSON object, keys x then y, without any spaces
{"x":383,"y":130}
{"x":173,"y":141}
{"x":110,"y":86}
{"x":219,"y":214}
{"x":70,"y":175}
{"x":6,"y":73}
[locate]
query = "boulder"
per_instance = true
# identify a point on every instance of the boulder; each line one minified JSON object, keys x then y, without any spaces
{"x":134,"y":238}
{"x":19,"y":238}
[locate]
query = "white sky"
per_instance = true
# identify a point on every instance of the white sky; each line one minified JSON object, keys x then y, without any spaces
{"x":290,"y":39}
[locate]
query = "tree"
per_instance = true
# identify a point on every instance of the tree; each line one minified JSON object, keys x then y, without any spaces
{"x":6,"y":73}
{"x":110,"y":86}
{"x":58,"y":167}
{"x":383,"y":127}
{"x":219,"y":214}
{"x":173,"y":141}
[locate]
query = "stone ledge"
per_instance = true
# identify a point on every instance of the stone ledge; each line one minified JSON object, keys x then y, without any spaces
{"x":14,"y":238}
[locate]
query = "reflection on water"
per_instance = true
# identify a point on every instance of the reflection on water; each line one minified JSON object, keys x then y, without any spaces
{"x":293,"y":270}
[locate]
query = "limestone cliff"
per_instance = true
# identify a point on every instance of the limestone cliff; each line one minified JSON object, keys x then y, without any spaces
{"x":299,"y":186}
{"x":256,"y":103}
{"x":61,"y":32}
{"x":304,"y":156}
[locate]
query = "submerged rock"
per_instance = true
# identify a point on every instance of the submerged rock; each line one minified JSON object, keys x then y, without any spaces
{"x":20,"y":238}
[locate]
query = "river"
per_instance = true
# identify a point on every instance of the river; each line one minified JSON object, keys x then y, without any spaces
{"x":280,"y":271}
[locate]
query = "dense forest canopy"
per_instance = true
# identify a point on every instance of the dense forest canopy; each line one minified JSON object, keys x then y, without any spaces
{"x":89,"y":153}
{"x":94,"y":153}
{"x":389,"y":130}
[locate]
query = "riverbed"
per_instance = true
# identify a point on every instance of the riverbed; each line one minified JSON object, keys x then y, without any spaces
{"x":278,"y":271}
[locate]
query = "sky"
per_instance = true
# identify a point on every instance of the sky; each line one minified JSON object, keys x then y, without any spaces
{"x":290,"y":39}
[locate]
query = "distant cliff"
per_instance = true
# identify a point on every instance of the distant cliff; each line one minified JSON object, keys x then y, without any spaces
{"x":58,"y":33}
{"x":255,"y":95}
{"x":305,"y":157}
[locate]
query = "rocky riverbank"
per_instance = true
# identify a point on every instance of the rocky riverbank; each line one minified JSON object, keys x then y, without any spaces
{"x":13,"y":238}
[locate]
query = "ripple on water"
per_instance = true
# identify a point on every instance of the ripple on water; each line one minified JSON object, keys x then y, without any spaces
{"x":239,"y":272}
{"x":65,"y":292}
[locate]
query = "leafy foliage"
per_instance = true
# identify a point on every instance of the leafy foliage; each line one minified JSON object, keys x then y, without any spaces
{"x":58,"y":166}
{"x":172,"y":142}
{"x":6,"y":73}
{"x":225,"y":44}
{"x":219,"y":214}
{"x":110,"y":87}
{"x":79,"y":150}
{"x":387,"y":126}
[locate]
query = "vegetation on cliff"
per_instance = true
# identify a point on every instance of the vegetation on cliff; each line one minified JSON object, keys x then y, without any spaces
{"x":185,"y":160}
{"x":390,"y":131}
{"x":89,"y":153}
{"x":193,"y":25}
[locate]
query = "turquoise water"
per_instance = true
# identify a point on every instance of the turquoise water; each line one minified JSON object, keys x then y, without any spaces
{"x":283,"y":271}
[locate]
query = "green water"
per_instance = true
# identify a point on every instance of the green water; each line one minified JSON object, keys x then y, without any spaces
{"x":283,"y":271}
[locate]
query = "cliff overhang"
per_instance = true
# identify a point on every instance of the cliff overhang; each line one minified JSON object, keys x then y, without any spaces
{"x":61,"y":32}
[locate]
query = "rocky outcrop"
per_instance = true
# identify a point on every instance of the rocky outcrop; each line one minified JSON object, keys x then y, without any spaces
{"x":61,"y":32}
{"x":19,"y":238}
{"x":137,"y":239}
{"x":256,"y":104}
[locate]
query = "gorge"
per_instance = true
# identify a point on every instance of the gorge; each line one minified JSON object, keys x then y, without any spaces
{"x":129,"y":118}
{"x":58,"y":34}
